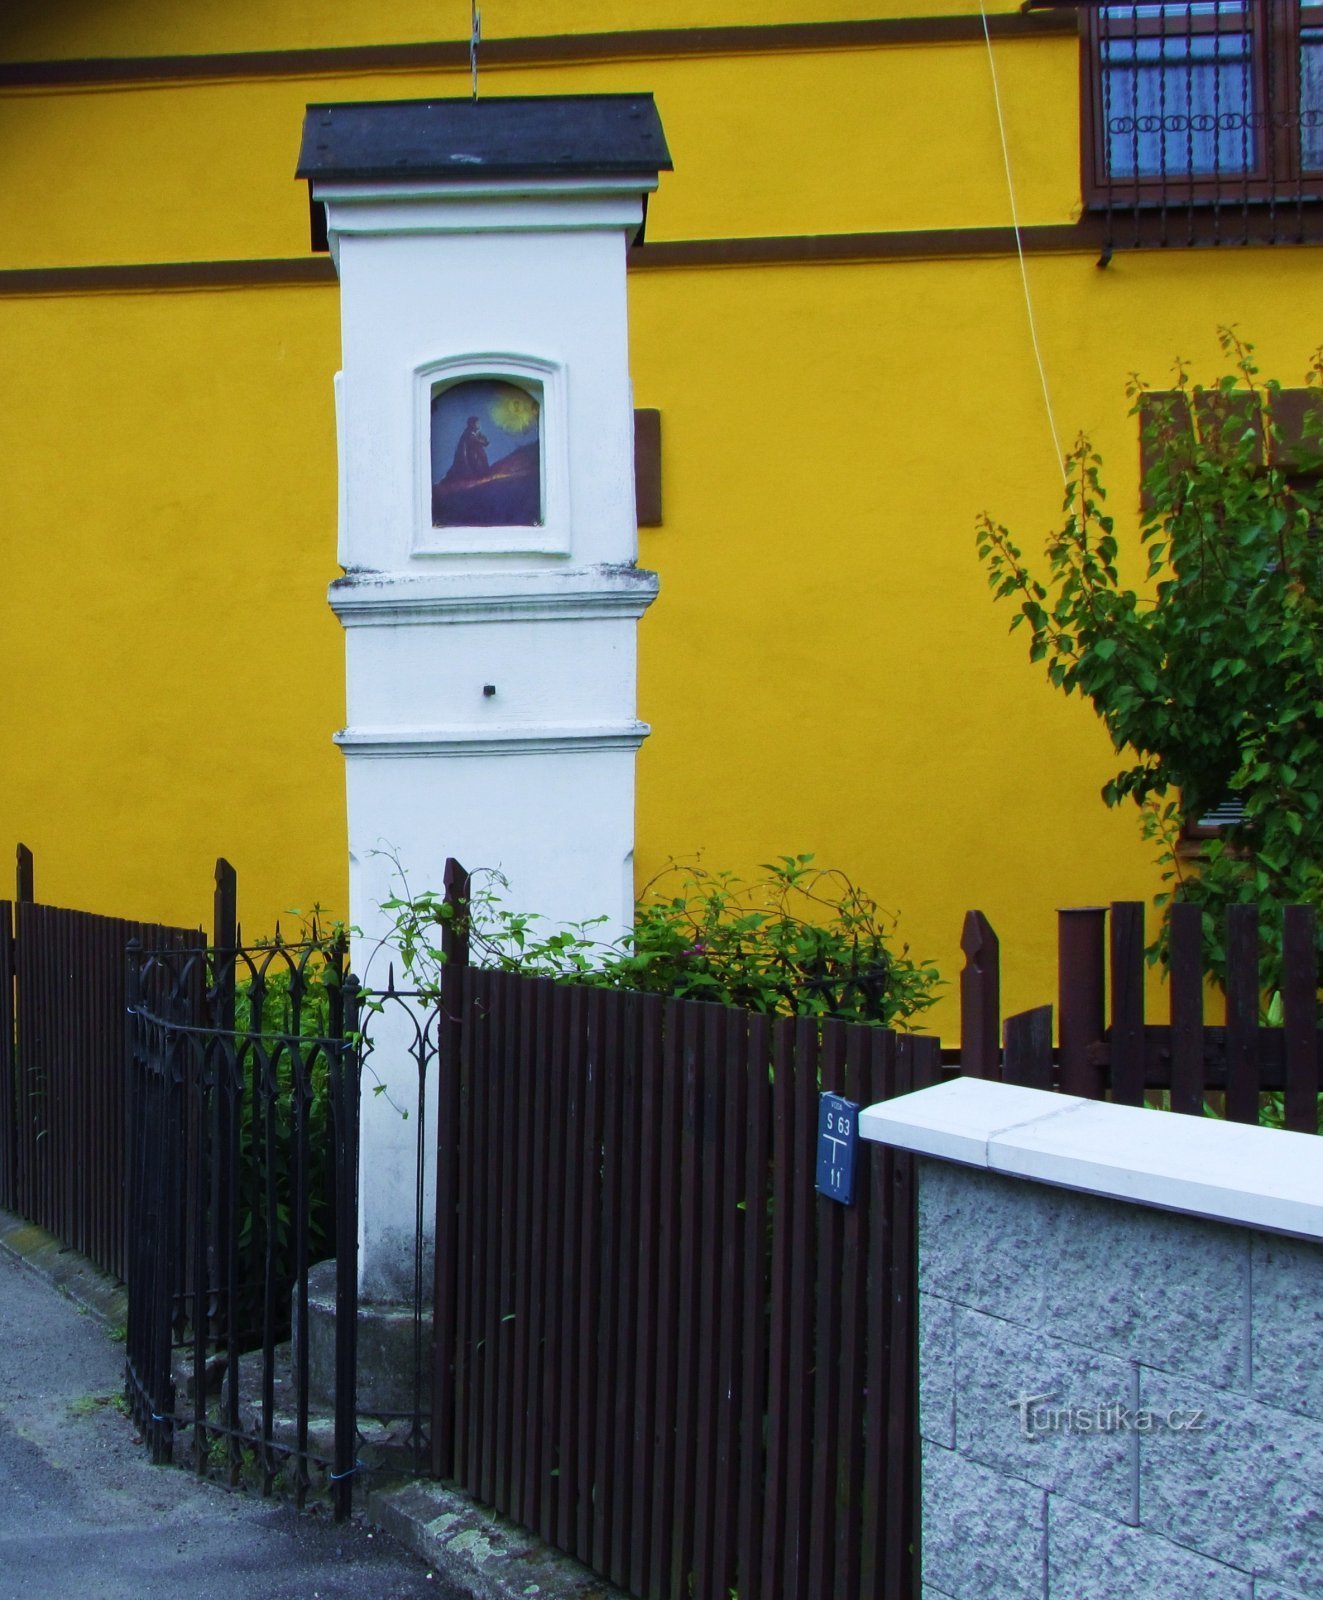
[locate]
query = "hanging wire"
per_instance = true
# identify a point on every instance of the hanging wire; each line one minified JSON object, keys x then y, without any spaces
{"x":1019,"y":249}
{"x":475,"y":38}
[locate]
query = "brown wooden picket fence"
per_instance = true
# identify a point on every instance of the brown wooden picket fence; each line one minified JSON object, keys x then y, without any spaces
{"x":1107,"y":1048}
{"x":62,"y":1073}
{"x":655,"y":1344}
{"x":8,"y":1099}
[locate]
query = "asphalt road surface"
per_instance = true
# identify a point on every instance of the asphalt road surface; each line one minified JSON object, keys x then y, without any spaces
{"x":85,"y":1516}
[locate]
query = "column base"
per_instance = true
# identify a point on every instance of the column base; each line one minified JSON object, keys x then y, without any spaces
{"x":387,"y":1352}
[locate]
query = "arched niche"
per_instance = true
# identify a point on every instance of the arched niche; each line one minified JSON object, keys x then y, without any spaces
{"x":493,"y":471}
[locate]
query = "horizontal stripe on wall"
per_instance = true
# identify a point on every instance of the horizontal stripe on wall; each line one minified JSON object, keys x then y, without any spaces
{"x":149,"y":275}
{"x":794,"y":249}
{"x":534,"y":50}
{"x":897,"y":245}
{"x":1085,"y":237}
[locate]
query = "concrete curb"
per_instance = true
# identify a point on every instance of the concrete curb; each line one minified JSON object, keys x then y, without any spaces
{"x":72,"y":1274}
{"x":476,"y":1554}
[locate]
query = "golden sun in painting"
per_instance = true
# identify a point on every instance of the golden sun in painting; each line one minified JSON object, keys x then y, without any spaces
{"x":514,"y":410}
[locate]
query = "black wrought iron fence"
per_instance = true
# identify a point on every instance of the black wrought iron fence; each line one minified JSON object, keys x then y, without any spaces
{"x":400,"y":1042}
{"x":242,"y":1173}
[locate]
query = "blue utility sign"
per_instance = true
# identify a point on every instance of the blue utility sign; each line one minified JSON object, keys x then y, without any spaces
{"x":838,"y":1135}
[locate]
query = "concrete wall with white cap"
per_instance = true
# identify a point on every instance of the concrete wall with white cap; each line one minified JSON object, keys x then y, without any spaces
{"x":1120,"y":1313}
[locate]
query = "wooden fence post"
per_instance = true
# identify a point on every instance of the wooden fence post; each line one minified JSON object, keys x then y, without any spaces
{"x":24,"y":876}
{"x":1080,"y":995}
{"x":980,"y":999}
{"x":8,"y":1077}
{"x":1300,"y":1016}
{"x":1243,"y":1013}
{"x":1027,"y":1059}
{"x":22,"y":896}
{"x":223,"y":1221}
{"x":1127,"y":1030}
{"x":1185,"y":935}
{"x":450,"y":1024}
{"x":455,"y":930}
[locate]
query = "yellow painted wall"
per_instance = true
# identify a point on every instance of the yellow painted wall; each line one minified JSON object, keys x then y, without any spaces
{"x":824,"y":670}
{"x":40,"y":30}
{"x":170,"y":671}
{"x":202,"y":172}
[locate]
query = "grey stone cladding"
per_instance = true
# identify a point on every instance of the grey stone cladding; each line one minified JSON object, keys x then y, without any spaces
{"x":937,"y":1370}
{"x":1123,"y":1280}
{"x":1114,"y":1400}
{"x":984,"y":1533}
{"x":1287,"y":1278}
{"x":1092,"y":1558}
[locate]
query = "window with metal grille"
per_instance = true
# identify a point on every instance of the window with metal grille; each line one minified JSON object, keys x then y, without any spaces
{"x":1203,"y":120}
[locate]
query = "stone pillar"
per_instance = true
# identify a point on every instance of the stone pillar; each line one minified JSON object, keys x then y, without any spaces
{"x":487,"y":528}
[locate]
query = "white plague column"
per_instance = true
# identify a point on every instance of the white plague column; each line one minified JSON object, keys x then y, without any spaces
{"x":491,"y":595}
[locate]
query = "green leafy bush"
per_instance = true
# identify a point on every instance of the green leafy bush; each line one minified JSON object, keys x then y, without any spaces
{"x":1209,"y":674}
{"x":283,"y":1022}
{"x":799,"y":941}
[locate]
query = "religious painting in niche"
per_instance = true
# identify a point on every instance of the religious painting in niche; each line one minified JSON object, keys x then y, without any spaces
{"x":486,"y":455}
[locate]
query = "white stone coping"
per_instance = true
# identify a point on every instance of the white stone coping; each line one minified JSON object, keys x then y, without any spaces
{"x":393,"y":599}
{"x":1227,"y":1171}
{"x":532,"y":739}
{"x":572,"y":186}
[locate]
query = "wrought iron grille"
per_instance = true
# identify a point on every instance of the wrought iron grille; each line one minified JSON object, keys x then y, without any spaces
{"x":242,"y":1172}
{"x":1203,"y":120}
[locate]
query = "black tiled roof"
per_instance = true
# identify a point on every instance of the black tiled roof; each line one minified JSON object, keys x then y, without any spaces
{"x":524,"y":136}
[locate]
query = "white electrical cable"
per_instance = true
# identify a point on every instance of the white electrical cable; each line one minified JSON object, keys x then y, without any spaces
{"x":1019,"y":248}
